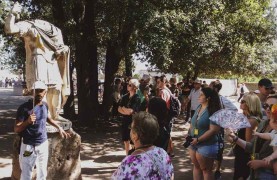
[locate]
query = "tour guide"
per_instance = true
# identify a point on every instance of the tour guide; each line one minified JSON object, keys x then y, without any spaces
{"x":31,"y":125}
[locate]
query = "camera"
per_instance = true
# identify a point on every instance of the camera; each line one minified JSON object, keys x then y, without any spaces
{"x":188,"y":141}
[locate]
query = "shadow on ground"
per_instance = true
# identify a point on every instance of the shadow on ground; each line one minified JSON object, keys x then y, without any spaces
{"x":102,"y":149}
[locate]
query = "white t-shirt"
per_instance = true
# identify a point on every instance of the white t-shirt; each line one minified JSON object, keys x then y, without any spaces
{"x":193,"y":96}
{"x":165,"y":95}
{"x":273,"y":135}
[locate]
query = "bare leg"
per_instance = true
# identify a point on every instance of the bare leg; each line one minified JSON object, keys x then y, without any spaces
{"x":170,"y":147}
{"x":206,"y":165}
{"x":197,"y":172}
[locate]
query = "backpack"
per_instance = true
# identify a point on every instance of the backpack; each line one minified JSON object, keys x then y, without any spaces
{"x":175,"y":106}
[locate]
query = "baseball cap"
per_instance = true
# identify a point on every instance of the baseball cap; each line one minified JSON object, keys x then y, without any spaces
{"x":39,"y":85}
{"x":265,"y":82}
{"x":134,"y":82}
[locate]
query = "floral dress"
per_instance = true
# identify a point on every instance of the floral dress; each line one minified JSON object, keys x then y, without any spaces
{"x":152,"y":164}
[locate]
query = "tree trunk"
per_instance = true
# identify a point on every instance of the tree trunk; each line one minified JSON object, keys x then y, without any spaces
{"x":87,"y":67}
{"x":196,"y":72}
{"x":59,"y":17}
{"x":188,"y":76}
{"x":128,"y":65}
{"x":116,"y":50}
{"x":111,"y":67}
{"x":69,"y":107}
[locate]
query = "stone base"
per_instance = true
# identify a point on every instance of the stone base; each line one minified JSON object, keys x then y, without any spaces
{"x":64,"y":157}
{"x":62,"y":122}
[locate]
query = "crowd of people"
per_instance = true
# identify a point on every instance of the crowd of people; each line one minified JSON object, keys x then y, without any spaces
{"x":10,"y":82}
{"x":147,"y":125}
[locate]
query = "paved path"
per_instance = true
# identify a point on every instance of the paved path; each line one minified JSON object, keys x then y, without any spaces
{"x":102,"y":149}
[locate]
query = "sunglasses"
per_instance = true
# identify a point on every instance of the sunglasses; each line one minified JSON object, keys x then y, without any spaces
{"x":266,"y":106}
{"x":130,"y":85}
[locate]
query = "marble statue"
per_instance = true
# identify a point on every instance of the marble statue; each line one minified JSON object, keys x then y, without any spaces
{"x":47,"y":57}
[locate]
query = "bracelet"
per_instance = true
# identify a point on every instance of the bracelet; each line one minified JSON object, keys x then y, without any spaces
{"x":235,"y":139}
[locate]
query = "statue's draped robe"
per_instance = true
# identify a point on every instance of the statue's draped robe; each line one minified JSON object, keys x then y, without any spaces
{"x":43,"y":41}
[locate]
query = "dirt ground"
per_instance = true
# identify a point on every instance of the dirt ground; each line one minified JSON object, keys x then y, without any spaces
{"x":102,"y":149}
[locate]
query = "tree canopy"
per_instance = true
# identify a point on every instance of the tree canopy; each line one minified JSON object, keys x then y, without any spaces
{"x":195,"y":38}
{"x":210,"y":37}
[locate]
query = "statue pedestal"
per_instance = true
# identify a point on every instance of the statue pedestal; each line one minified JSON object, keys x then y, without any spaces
{"x":64,"y":157}
{"x":62,"y":122}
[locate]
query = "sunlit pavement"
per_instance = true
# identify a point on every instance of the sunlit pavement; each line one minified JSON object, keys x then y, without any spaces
{"x":102,"y":149}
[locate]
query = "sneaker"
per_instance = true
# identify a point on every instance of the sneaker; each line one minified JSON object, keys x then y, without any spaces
{"x":217,"y":175}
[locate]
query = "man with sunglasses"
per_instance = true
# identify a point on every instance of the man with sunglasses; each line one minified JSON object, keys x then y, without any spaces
{"x":30,"y":123}
{"x":265,"y":87}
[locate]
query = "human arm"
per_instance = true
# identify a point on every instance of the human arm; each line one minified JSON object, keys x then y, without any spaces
{"x":20,"y":126}
{"x":249,"y":131}
{"x":266,"y":136}
{"x":120,"y":109}
{"x":188,"y":133}
{"x":61,"y":131}
{"x":256,"y":164}
{"x":273,"y":156}
{"x":235,"y":139}
{"x":125,"y":111}
{"x":121,"y":105}
{"x":213,"y":129}
{"x":134,"y":107}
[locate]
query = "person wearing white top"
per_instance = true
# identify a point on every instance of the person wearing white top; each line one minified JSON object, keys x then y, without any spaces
{"x":194,"y":95}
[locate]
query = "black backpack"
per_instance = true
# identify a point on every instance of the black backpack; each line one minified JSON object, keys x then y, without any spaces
{"x":175,"y":106}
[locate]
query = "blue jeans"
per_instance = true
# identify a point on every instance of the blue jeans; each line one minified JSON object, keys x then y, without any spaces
{"x":208,"y":151}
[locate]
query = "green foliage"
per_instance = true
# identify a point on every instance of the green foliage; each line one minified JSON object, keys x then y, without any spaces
{"x":209,"y":37}
{"x":136,"y":76}
{"x":11,"y":58}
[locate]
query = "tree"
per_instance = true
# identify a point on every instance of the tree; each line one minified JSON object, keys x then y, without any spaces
{"x":207,"y":37}
{"x":191,"y":38}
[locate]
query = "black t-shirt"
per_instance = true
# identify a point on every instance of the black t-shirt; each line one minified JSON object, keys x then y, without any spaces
{"x":133,"y":103}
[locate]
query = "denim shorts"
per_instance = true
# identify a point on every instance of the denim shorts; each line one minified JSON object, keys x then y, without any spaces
{"x":208,"y":151}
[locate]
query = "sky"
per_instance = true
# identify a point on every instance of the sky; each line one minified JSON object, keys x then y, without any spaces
{"x":139,"y":66}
